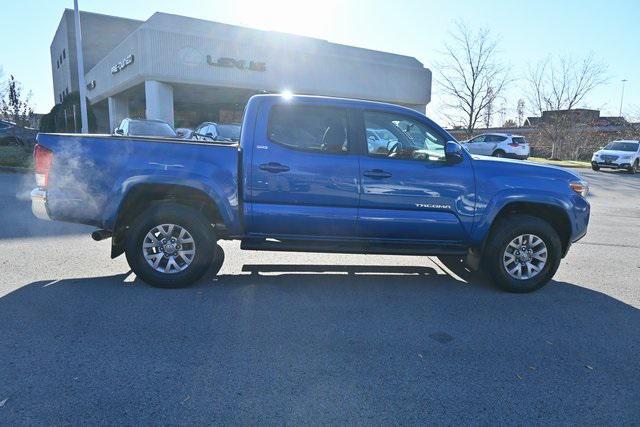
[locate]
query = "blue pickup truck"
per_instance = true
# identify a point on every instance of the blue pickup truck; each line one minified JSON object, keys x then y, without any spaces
{"x":312,"y":174}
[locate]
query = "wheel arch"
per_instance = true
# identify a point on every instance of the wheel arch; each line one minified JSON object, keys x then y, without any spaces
{"x":555,"y":215}
{"x":141,"y":196}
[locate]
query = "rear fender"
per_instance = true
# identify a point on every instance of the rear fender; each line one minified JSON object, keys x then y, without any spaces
{"x":224,"y":198}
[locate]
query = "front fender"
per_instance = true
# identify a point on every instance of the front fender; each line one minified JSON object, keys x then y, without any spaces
{"x":487,"y":212}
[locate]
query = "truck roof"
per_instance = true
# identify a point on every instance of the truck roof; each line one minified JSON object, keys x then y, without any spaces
{"x":345,"y":102}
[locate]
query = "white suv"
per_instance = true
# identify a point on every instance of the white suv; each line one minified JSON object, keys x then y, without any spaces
{"x":618,"y":155}
{"x":498,"y":145}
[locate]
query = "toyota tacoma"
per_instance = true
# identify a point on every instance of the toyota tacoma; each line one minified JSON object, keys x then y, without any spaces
{"x":304,"y":177}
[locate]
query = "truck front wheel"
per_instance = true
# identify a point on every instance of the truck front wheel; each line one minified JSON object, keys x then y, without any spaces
{"x":171,"y":246}
{"x":523,"y":253}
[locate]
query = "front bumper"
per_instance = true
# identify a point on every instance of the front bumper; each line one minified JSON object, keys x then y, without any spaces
{"x":611,"y":165}
{"x":39,"y":204}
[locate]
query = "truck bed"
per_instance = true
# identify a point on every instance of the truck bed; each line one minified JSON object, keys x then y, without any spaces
{"x":91,"y":174}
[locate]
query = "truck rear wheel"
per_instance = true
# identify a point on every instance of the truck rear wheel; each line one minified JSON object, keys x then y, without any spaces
{"x":523,"y":253}
{"x":171,"y":246}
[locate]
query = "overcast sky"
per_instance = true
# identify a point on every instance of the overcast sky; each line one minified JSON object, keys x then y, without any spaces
{"x":528,"y":32}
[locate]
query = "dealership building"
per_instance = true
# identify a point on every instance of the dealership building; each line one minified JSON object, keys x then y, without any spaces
{"x":185,"y":70}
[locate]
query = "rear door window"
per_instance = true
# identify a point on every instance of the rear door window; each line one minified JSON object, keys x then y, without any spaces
{"x":309,"y":128}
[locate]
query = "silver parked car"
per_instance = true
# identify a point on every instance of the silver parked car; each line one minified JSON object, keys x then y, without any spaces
{"x":624,"y":154}
{"x":499,"y":145}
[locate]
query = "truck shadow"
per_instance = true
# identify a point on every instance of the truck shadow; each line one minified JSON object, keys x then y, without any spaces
{"x":323,"y":343}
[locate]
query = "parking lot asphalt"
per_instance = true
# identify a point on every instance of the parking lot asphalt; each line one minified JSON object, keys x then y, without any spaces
{"x":314,"y":338}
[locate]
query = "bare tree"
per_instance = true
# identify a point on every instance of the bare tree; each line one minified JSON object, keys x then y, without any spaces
{"x":489,"y":111}
{"x":471,"y":76}
{"x":520,"y":111}
{"x":562,"y":84}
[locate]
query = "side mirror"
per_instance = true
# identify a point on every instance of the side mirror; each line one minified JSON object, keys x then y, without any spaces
{"x":453,"y":152}
{"x":119,"y":131}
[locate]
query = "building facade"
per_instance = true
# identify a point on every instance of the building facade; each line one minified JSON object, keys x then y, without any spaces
{"x":185,"y":71}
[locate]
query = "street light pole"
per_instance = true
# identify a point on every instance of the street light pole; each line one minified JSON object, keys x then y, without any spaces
{"x":622,"y":96}
{"x":80,"y":58}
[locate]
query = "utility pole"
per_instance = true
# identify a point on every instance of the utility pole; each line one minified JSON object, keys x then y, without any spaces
{"x":81,"y":83}
{"x":622,"y":96}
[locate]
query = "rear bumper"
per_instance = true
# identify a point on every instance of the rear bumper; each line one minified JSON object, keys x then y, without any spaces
{"x":611,"y":165}
{"x":39,"y":204}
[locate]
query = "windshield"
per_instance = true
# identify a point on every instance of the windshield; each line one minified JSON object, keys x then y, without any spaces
{"x":622,"y":146}
{"x":229,"y":131}
{"x":151,"y":129}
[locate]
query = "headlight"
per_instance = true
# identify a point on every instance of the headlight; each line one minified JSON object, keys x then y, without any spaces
{"x":580,"y":187}
{"x":626,"y":157}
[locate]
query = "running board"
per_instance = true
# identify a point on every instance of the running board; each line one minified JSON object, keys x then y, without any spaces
{"x":351,"y":247}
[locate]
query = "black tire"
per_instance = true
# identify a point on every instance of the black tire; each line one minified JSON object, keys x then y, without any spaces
{"x":498,"y":153}
{"x":503,"y":233}
{"x":634,"y":167}
{"x":595,"y":167}
{"x":191,"y":220}
{"x":218,"y":260}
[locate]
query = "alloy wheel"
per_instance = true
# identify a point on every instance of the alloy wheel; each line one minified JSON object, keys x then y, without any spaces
{"x":169,"y":248}
{"x":525,"y":257}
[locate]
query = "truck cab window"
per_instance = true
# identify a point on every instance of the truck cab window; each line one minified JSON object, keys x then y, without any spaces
{"x":400,"y":137}
{"x":309,"y":128}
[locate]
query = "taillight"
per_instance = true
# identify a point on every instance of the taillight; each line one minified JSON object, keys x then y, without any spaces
{"x":42,"y":158}
{"x":514,"y":144}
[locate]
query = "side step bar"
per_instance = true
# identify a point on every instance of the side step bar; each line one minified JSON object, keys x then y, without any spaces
{"x":350,"y":247}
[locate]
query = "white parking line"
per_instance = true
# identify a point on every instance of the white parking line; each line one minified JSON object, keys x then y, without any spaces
{"x":53,"y":282}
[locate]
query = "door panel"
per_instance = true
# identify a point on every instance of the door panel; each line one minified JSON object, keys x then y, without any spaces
{"x":419,"y":201}
{"x":306,"y":183}
{"x":411,"y":193}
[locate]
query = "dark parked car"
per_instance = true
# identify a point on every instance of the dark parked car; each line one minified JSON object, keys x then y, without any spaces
{"x":184,"y":133}
{"x":140,"y":127}
{"x":210,"y":131}
{"x":12,"y":134}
